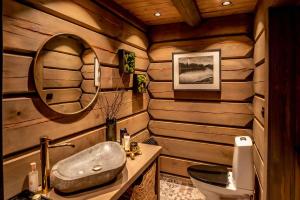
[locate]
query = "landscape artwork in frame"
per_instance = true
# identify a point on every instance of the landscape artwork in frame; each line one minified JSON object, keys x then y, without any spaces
{"x":197,"y":70}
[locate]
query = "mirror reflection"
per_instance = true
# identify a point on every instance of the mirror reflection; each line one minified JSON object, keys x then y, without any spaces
{"x":67,"y":74}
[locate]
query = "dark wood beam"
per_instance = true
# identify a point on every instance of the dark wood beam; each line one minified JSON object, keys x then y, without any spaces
{"x":123,"y":13}
{"x":188,"y":11}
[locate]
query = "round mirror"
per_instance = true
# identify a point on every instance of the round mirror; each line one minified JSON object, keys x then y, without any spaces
{"x":67,"y":74}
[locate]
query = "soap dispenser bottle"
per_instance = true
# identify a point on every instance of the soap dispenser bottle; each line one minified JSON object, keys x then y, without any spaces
{"x":126,"y":141}
{"x":33,"y":178}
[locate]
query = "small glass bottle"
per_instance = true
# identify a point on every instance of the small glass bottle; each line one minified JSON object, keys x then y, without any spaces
{"x":33,"y":178}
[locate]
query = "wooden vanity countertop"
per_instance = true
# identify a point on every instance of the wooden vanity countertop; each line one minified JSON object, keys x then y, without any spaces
{"x":132,"y":170}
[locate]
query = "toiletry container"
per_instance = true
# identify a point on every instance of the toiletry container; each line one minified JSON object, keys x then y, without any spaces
{"x":126,"y":141}
{"x":33,"y":178}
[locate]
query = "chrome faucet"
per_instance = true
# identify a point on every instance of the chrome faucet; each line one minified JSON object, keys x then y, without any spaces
{"x":45,"y":163}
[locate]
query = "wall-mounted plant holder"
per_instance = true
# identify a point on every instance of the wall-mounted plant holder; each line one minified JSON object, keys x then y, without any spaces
{"x":126,"y":61}
{"x":139,"y":83}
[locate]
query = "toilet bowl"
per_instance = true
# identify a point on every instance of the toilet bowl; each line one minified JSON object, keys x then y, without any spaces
{"x":216,"y":182}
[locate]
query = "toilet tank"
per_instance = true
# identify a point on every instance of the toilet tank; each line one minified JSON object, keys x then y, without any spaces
{"x":242,"y":167}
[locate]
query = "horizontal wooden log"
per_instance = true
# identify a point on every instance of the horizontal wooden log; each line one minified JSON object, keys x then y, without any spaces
{"x":16,"y":71}
{"x":65,"y":45}
{"x":67,"y":107}
{"x":93,"y":17}
{"x":258,"y":109}
{"x":230,"y":91}
{"x":26,"y":31}
{"x":259,"y":88}
{"x":88,"y":57}
{"x":219,"y":26}
{"x":259,"y":21}
{"x":27,"y":118}
{"x":52,"y":59}
{"x":141,"y":136}
{"x":56,"y":78}
{"x":260,"y":49}
{"x":259,"y":165}
{"x":176,"y":166}
{"x":228,"y":114}
{"x":231,"y":47}
{"x":212,"y":153}
{"x":259,"y":79}
{"x":231,"y":69}
{"x":61,"y":95}
{"x":16,"y":169}
{"x":215,"y":134}
{"x":87,"y":72}
{"x":259,"y":73}
{"x":259,"y":138}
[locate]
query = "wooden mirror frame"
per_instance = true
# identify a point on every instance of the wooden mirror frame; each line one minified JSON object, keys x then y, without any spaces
{"x":38,"y":80}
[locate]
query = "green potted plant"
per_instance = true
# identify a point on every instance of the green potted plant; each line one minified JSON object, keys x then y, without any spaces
{"x":140,"y":83}
{"x":126,"y":61}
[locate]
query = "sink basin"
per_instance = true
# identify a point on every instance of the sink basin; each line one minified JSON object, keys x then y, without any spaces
{"x":96,"y":165}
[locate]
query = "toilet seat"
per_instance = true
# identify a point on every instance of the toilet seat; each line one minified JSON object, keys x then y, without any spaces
{"x":215,"y":180}
{"x":211,"y":174}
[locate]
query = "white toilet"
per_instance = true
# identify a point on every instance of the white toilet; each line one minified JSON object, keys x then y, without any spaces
{"x":217,"y":181}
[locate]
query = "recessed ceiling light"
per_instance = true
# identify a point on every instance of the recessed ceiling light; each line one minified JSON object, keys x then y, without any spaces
{"x":157,"y":14}
{"x":226,"y":3}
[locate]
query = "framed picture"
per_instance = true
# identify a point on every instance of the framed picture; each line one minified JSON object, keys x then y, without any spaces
{"x":197,"y":70}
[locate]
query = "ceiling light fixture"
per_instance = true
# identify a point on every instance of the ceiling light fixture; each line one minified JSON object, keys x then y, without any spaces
{"x":157,"y":14}
{"x":226,"y":3}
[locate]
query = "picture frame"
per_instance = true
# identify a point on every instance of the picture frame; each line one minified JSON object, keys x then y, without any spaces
{"x":197,"y":70}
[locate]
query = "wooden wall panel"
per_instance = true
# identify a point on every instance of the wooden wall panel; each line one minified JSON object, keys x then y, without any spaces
{"x":258,"y":109}
{"x":231,"y":69}
{"x":195,"y":126}
{"x":141,"y":136}
{"x":259,"y":49}
{"x":231,"y":47}
{"x":196,"y":150}
{"x":26,"y":26}
{"x":230,"y":91}
{"x":176,"y":165}
{"x":259,"y":138}
{"x":259,"y":165}
{"x":228,"y":114}
{"x":196,"y":132}
{"x":26,"y":31}
{"x":16,"y":74}
{"x":260,"y":82}
{"x":93,"y":17}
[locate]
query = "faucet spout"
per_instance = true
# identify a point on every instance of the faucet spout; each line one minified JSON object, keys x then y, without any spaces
{"x":45,"y":163}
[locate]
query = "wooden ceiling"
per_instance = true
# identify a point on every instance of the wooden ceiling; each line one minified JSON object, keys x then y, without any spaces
{"x":145,"y":9}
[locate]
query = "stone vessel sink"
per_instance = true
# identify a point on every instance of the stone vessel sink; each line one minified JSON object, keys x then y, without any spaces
{"x":94,"y":166}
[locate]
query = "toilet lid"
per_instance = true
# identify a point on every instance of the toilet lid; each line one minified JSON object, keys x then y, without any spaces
{"x":211,"y":174}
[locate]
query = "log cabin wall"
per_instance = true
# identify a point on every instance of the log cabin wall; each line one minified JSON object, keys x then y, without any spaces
{"x":260,"y":107}
{"x":199,"y":127}
{"x":26,"y":25}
